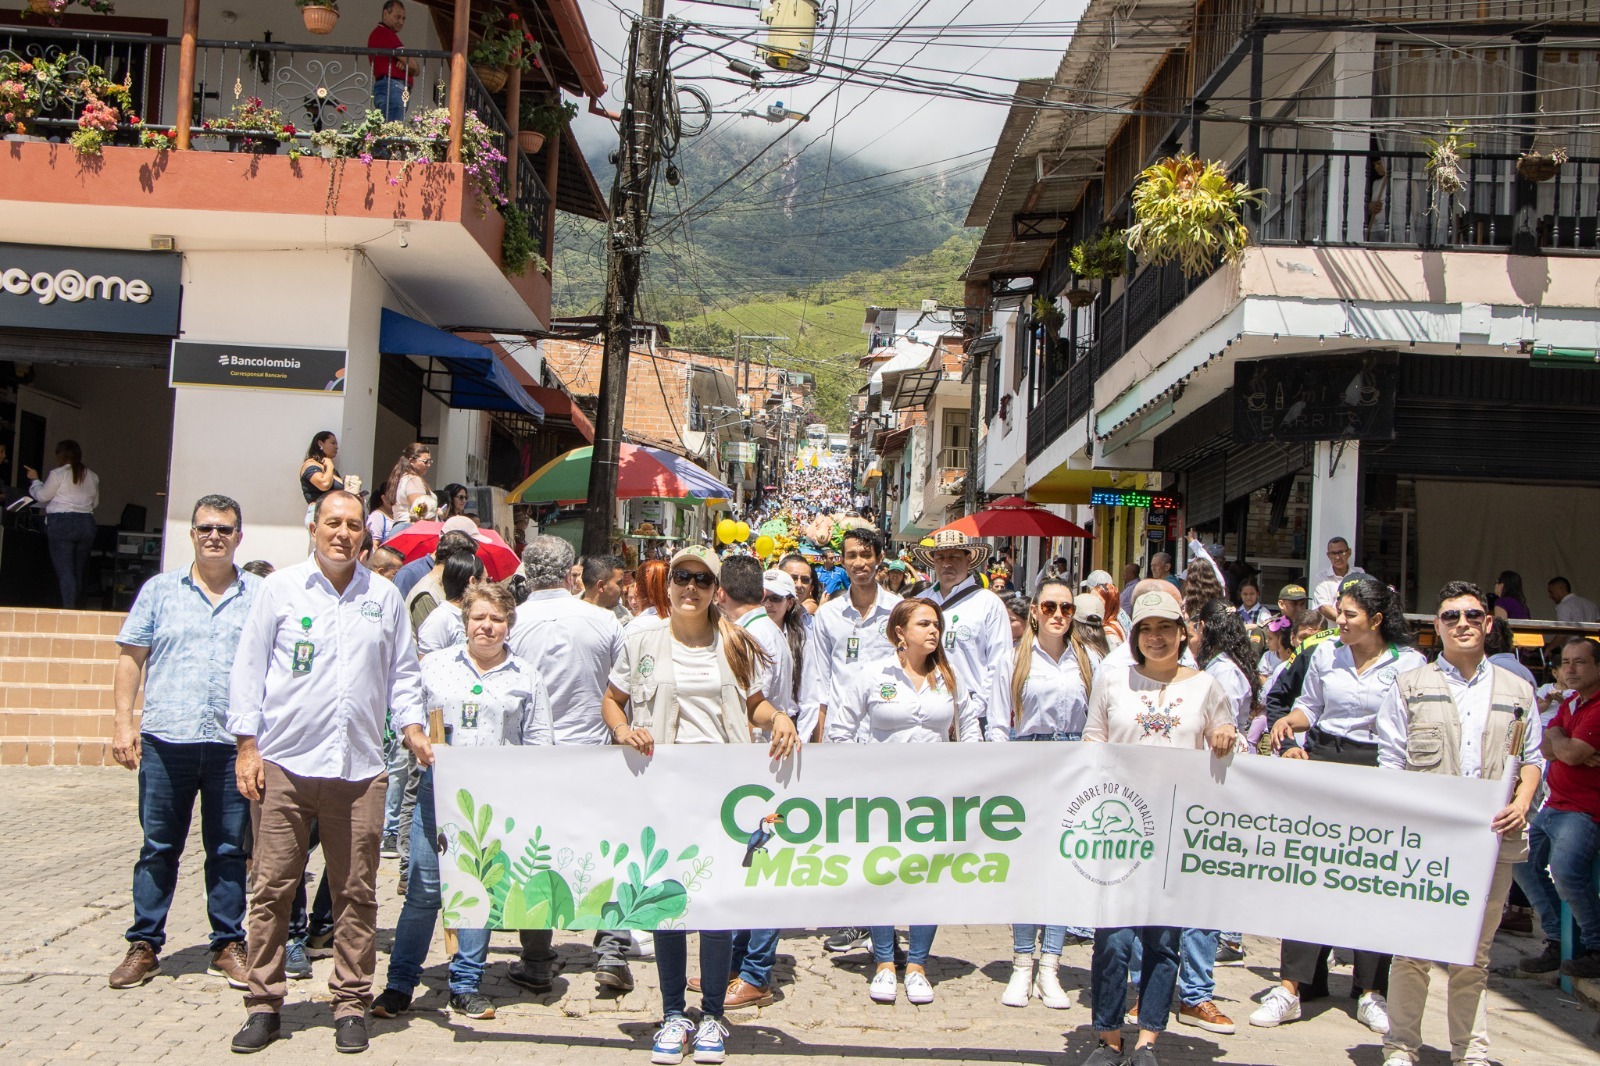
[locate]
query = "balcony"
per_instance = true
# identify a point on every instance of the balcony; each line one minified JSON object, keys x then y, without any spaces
{"x":315,"y":87}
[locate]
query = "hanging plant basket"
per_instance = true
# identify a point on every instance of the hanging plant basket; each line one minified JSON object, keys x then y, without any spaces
{"x":493,"y":78}
{"x":41,"y":7}
{"x":1104,"y":255}
{"x":1079,"y":297}
{"x":1444,"y":165}
{"x":1538,"y":166}
{"x":318,"y":19}
{"x":1188,"y":210}
{"x":530,"y":140}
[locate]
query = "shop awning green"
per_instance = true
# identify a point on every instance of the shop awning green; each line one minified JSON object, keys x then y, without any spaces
{"x":478,"y":381}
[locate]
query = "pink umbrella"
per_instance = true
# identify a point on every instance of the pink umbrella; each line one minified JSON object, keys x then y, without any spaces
{"x":420,"y":538}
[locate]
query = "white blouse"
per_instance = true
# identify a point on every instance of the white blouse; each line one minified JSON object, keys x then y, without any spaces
{"x":1127,"y":707}
{"x":1235,"y":686}
{"x":1054,"y":698}
{"x":880,"y":704}
{"x":1344,"y":703}
{"x":60,"y":495}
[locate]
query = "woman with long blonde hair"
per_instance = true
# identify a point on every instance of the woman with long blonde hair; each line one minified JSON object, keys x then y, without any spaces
{"x":408,"y":481}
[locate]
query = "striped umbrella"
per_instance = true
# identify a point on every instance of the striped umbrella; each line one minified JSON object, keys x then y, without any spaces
{"x":641,"y":471}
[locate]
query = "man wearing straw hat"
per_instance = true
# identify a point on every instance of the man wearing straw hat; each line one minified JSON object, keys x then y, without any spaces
{"x":977,"y":629}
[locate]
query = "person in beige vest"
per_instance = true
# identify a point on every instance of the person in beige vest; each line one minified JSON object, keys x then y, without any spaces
{"x":1463,"y":717}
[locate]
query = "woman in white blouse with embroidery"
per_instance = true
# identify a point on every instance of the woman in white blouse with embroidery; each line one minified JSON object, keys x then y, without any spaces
{"x":908,"y":699}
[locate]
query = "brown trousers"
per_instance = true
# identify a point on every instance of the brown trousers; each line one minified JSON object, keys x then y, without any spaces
{"x":350,"y":819}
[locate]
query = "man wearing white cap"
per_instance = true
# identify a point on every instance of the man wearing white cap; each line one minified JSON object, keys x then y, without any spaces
{"x":977,"y":627}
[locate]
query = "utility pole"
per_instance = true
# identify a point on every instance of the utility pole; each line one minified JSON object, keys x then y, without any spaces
{"x":630,"y":223}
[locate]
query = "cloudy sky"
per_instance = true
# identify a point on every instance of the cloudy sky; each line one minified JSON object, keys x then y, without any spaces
{"x":889,"y":128}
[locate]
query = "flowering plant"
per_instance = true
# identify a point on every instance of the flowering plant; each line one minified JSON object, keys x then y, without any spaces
{"x":29,"y":86}
{"x":53,"y":9}
{"x":482,"y":158}
{"x":254,"y":125}
{"x":505,"y":42}
{"x":161,"y":141}
{"x":19,"y":95}
{"x":96,"y":123}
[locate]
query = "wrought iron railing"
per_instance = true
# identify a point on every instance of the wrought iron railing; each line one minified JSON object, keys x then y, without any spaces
{"x":530,"y":193}
{"x":1389,"y":199}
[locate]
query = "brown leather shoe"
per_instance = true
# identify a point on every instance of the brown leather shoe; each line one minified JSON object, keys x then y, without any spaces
{"x":1206,"y":1016}
{"x":137,"y":966}
{"x":232,"y":964}
{"x":696,"y":986}
{"x":742,"y":994}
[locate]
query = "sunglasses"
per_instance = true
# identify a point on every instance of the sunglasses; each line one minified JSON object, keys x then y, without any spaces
{"x":774,"y":600}
{"x":1051,"y":607}
{"x":1450,"y":618}
{"x":221,"y":531}
{"x":682,"y":578}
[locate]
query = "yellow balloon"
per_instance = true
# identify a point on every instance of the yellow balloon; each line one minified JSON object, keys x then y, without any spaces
{"x":725,"y":530}
{"x":927,"y":542}
{"x":741,"y":532}
{"x":764,"y":546}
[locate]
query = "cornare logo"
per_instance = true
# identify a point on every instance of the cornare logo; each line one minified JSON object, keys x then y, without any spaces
{"x":71,"y":286}
{"x":1108,"y":833}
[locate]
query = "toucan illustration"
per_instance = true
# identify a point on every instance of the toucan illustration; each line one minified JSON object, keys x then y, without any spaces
{"x":758,"y":839}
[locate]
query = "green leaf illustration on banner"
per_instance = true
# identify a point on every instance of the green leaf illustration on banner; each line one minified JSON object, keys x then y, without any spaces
{"x":591,"y":910}
{"x":459,"y":901}
{"x":689,"y":852}
{"x":542,"y":900}
{"x":647,"y":907}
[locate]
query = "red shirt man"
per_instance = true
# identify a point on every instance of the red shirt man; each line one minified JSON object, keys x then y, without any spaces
{"x":386,"y":34}
{"x":1576,"y":787}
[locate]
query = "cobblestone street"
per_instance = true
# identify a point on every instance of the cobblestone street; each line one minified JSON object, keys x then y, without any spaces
{"x":72,"y":834}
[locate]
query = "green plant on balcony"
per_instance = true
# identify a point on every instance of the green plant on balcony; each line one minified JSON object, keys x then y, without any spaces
{"x":1444,"y":165}
{"x":252,"y":126}
{"x":97,"y":124}
{"x":1105,"y":255}
{"x":1188,"y":210}
{"x":53,"y":87}
{"x":52,"y":10}
{"x":482,"y":156}
{"x":320,"y":16}
{"x":503,"y":44}
{"x":518,"y":250}
{"x":160,"y":140}
{"x":1535,"y":165}
{"x":541,"y":120}
{"x":327,"y":142}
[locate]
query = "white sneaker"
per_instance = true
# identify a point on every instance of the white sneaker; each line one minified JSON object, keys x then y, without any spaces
{"x":1016,"y":993}
{"x":918,"y":990}
{"x":1398,"y":1058}
{"x":1279,"y":1006}
{"x":884,"y":988}
{"x":1372,"y":1011}
{"x":1047,"y":984}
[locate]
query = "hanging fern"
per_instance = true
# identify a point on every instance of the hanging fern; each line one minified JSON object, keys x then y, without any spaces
{"x":1188,"y":210}
{"x":1104,"y":255}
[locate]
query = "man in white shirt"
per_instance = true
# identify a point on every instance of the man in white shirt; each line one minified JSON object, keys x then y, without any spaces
{"x":573,"y":645}
{"x":1571,"y":607}
{"x":325,"y":652}
{"x":1491,"y":731}
{"x":848,"y":631}
{"x":977,"y":627}
{"x":1325,"y":590}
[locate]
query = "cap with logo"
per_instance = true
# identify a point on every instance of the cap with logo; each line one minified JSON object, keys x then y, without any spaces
{"x":1156,"y":605}
{"x":1292,"y":592}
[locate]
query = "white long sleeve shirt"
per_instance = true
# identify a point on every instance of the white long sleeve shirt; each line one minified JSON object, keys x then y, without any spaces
{"x":881,"y":704}
{"x":777,"y":682}
{"x":977,"y":640}
{"x":319,"y":711}
{"x":60,"y":495}
{"x":843,"y":640}
{"x":506,"y":704}
{"x":1472,"y":697}
{"x":572,"y":645}
{"x":1054,"y":698}
{"x":1235,"y":686}
{"x":1338,"y":700}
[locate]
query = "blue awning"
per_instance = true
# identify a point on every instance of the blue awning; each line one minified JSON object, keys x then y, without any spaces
{"x":478,"y":381}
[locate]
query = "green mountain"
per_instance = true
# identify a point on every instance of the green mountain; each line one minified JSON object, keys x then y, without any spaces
{"x":792,"y":243}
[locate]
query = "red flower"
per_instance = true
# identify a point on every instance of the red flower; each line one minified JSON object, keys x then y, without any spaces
{"x":514,"y":18}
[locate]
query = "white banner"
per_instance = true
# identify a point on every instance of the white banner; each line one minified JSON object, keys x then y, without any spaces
{"x":1065,"y":834}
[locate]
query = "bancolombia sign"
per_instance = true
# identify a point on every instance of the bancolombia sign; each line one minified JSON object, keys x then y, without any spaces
{"x":94,"y":289}
{"x":1069,"y":834}
{"x":258,"y":366}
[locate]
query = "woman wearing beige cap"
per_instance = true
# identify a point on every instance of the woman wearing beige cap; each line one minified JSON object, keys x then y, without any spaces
{"x":692,"y":681}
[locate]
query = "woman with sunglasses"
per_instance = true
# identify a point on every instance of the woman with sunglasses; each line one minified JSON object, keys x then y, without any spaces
{"x":1345,"y":685}
{"x":1158,"y":702}
{"x":799,"y":567}
{"x":693,"y":680}
{"x":908,"y":699}
{"x":1050,"y":681}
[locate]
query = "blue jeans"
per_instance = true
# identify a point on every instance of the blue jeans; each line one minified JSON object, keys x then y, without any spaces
{"x":171,"y":776}
{"x":389,"y":98}
{"x":1053,"y":934}
{"x":397,"y":758}
{"x":754,"y":953}
{"x":414,"y":930}
{"x":69,"y":538}
{"x":1197,"y":966}
{"x":672,"y":967}
{"x":918,"y":943}
{"x":1108,"y":975}
{"x":1565,"y":842}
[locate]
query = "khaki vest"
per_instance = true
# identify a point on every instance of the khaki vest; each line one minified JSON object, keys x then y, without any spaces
{"x":1433,"y":731}
{"x":653,"y":694}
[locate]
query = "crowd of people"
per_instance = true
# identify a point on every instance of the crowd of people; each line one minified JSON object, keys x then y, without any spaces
{"x":303,"y":709}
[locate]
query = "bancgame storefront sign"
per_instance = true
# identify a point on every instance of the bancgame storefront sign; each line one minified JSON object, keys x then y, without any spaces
{"x":95,"y":289}
{"x":1099,"y":835}
{"x":257,"y":366}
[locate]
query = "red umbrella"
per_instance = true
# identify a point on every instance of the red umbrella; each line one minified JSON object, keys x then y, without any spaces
{"x":1013,"y":516}
{"x":420,"y":538}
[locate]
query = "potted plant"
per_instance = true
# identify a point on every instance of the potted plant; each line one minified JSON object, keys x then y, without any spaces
{"x":1078,"y":298}
{"x":1445,"y":157}
{"x":1540,"y":166}
{"x":517,"y":248}
{"x":252,"y":126}
{"x":97,"y":123}
{"x":326,"y":142}
{"x":320,"y":16}
{"x":19,"y":97}
{"x":53,"y":9}
{"x":1189,"y":210}
{"x":1105,"y":255}
{"x":160,"y":140}
{"x":542,"y":120}
{"x":1050,"y":317}
{"x":482,"y":157}
{"x":504,"y":43}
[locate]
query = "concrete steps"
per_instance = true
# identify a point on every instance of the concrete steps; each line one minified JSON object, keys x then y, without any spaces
{"x":56,"y":668}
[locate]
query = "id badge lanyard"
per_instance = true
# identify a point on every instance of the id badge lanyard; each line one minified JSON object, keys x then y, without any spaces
{"x":305,"y":650}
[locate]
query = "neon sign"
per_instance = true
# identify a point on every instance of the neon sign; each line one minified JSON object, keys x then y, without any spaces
{"x":1115,"y":498}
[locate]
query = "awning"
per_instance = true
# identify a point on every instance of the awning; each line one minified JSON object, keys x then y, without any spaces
{"x":558,"y":404}
{"x":478,"y":381}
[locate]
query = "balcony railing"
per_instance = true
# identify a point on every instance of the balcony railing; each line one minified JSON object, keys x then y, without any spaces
{"x":1387,"y":199}
{"x":529,"y":193}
